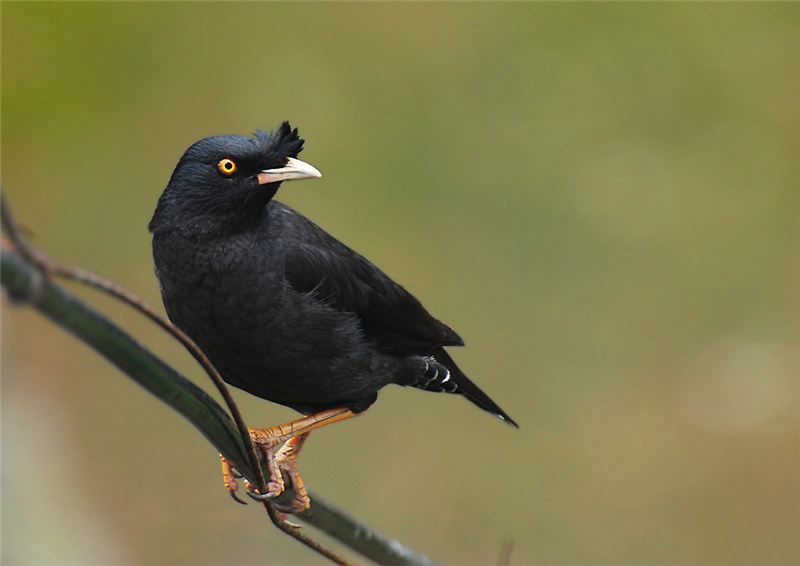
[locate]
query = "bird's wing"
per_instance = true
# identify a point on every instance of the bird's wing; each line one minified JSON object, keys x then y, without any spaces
{"x":342,"y":278}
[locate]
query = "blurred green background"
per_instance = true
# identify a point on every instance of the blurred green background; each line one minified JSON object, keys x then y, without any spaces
{"x":601,"y":198}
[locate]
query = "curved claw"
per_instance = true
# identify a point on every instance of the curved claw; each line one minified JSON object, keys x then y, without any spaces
{"x":289,"y":509}
{"x":262,"y":496}
{"x":236,"y":498}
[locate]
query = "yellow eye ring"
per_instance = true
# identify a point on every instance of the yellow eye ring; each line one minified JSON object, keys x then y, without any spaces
{"x":226,"y":166}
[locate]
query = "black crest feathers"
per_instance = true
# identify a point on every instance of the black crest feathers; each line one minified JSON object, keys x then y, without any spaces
{"x":284,"y":140}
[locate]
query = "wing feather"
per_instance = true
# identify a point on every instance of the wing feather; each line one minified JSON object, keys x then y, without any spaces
{"x":390,"y":316}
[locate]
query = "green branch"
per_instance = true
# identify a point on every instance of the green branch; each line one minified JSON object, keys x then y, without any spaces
{"x":25,"y":283}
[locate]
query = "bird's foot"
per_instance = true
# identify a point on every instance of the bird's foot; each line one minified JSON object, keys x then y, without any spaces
{"x":286,"y":459}
{"x":280,"y":464}
{"x":290,"y":438}
{"x":229,"y":478}
{"x":275,"y":483}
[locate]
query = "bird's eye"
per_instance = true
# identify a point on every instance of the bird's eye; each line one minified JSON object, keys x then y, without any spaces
{"x":227,"y":166}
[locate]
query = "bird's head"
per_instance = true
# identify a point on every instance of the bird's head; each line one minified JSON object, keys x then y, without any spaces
{"x":225,"y":180}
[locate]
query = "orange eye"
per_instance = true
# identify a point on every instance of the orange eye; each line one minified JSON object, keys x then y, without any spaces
{"x":227,"y":166}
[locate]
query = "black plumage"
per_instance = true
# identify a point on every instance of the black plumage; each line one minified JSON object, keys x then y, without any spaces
{"x":281,"y":308}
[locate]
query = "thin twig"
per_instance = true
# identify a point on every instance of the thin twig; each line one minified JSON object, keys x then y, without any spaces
{"x":50,"y":267}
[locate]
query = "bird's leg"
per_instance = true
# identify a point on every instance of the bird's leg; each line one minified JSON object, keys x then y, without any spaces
{"x":281,"y":433}
{"x":291,"y":449}
{"x":292,"y":436}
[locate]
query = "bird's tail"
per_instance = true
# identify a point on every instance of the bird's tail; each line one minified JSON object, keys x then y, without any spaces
{"x":443,"y":375}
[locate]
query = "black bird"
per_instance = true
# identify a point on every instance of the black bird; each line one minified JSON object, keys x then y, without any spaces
{"x":281,"y":308}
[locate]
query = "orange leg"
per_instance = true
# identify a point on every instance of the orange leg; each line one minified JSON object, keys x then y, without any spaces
{"x":290,"y":437}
